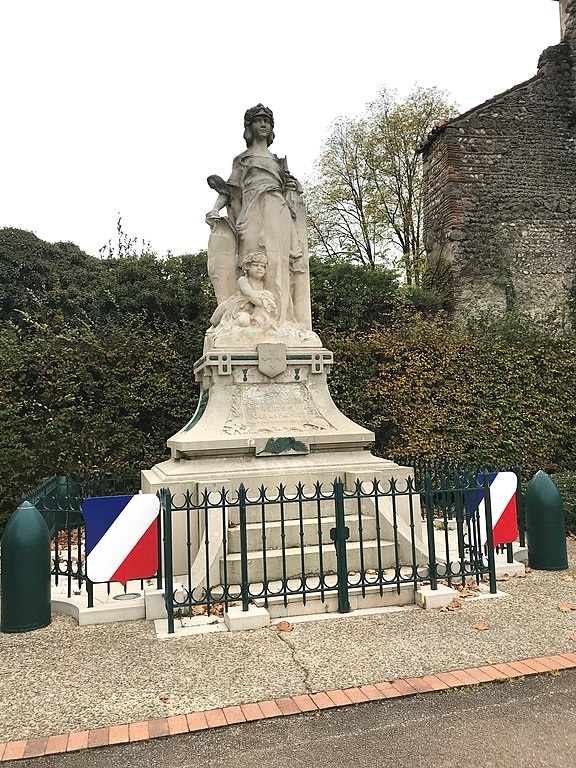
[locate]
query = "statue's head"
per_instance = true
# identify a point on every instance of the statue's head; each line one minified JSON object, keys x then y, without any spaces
{"x":253,"y":259}
{"x":250,"y":115}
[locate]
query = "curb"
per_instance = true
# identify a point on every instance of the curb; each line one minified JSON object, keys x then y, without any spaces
{"x":283,"y":707}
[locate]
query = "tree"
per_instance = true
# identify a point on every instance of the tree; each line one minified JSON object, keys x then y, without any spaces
{"x":365,"y":200}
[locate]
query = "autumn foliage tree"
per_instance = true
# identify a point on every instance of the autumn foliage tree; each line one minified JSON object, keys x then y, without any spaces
{"x":365,"y":199}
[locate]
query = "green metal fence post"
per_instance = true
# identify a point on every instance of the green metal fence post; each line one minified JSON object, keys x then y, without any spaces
{"x":429,"y":499}
{"x":159,"y":544}
{"x":166,"y":498}
{"x":244,"y":585}
{"x":520,"y":508}
{"x":489,"y":532}
{"x":339,"y":535}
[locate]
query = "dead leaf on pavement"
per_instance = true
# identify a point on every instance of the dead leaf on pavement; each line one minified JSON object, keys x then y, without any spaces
{"x":452,"y":606}
{"x":163,"y":697}
{"x":284,"y":626}
{"x":565,"y":608}
{"x":504,"y":577}
{"x":527,"y":569}
{"x":573,"y":638}
{"x":568,"y":577}
{"x":480,"y":626}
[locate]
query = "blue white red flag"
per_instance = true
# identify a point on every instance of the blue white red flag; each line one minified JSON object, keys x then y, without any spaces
{"x":121,"y":537}
{"x":503,"y":487}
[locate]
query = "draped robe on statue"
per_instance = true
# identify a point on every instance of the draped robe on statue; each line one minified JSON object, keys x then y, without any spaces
{"x":266,"y":223}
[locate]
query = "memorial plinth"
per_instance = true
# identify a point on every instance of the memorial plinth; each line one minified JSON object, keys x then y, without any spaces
{"x":264,"y":416}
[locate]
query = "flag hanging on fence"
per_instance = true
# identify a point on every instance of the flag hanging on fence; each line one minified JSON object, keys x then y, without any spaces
{"x":503,"y":487}
{"x":121,"y":537}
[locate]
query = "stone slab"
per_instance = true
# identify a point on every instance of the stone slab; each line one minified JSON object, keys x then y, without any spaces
{"x":254,"y":618}
{"x":426,"y":597}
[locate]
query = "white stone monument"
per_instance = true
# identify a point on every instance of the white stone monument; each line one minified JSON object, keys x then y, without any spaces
{"x":265,"y":415}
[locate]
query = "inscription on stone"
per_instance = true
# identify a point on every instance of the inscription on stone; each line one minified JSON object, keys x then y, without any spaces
{"x":275,"y":408}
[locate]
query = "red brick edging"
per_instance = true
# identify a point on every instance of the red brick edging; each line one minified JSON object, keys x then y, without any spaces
{"x":290,"y":705}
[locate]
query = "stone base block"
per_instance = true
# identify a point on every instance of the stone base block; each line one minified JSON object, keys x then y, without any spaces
{"x":104,"y":613}
{"x":154,"y":603}
{"x":254,"y":618}
{"x":504,"y":568}
{"x":426,"y":597}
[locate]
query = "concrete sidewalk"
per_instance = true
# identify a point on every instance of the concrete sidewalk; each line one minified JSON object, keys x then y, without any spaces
{"x":95,"y":684}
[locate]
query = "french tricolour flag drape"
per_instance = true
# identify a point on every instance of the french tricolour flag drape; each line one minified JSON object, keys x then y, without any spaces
{"x":121,"y":537}
{"x":503,"y":487}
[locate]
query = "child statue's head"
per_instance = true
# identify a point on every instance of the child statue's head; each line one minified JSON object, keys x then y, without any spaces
{"x":254,"y":262}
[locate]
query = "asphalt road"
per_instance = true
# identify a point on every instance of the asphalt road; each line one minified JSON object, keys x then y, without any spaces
{"x":524,"y":724}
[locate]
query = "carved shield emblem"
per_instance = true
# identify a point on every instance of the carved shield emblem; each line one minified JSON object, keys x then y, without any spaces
{"x":271,"y":359}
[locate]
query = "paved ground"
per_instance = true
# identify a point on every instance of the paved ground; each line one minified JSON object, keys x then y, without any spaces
{"x":480,"y":727}
{"x":66,"y":678}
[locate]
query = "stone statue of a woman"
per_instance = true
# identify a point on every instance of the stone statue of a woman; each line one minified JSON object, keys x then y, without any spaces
{"x":265,"y":215}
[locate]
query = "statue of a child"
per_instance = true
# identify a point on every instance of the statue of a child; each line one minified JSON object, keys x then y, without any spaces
{"x":252,"y":304}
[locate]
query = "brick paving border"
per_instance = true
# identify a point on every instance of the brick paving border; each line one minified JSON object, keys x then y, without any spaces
{"x":284,"y":707}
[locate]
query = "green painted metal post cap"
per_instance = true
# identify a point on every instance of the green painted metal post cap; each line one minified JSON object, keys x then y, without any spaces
{"x":545,"y":527}
{"x":25,"y":575}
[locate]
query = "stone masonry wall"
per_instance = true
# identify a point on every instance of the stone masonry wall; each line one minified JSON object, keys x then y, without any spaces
{"x":500,"y":192}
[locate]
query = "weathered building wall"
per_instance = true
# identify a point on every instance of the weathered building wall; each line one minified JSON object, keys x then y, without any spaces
{"x":500,"y":191}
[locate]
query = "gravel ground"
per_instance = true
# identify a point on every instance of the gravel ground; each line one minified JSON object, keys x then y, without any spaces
{"x":65,"y":677}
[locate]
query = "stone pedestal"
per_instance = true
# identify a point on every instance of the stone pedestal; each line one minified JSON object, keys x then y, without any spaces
{"x":265,"y":417}
{"x":269,"y":401}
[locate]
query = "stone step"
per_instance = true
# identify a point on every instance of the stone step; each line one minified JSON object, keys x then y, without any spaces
{"x":369,"y":598}
{"x":292,"y":510}
{"x":295,"y":530}
{"x":276,"y":569}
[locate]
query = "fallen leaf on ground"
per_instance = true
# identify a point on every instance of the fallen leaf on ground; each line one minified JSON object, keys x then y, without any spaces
{"x":504,"y":577}
{"x":480,"y":626}
{"x":372,"y":572}
{"x":163,"y":697}
{"x":452,"y":606}
{"x":568,"y":577}
{"x":198,"y":610}
{"x":565,"y":608}
{"x":573,"y":638}
{"x":284,"y":626}
{"x":527,"y":569}
{"x":352,"y":573}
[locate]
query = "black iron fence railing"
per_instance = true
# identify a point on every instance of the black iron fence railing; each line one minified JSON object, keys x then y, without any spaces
{"x":272,"y":546}
{"x":59,"y":499}
{"x":264,"y":546}
{"x":441,"y":468}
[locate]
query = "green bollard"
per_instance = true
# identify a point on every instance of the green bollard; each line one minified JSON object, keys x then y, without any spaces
{"x":545,"y":528}
{"x":25,"y":576}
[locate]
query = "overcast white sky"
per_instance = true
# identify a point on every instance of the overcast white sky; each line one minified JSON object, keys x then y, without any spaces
{"x":128,"y":105}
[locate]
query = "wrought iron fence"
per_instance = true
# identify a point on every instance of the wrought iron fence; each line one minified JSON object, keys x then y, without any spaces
{"x":237,"y":546}
{"x":440,"y":468}
{"x":59,"y":499}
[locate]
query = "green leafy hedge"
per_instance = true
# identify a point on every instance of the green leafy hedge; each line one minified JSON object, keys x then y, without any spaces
{"x":566,"y":484}
{"x":499,"y":392}
{"x":96,"y":367}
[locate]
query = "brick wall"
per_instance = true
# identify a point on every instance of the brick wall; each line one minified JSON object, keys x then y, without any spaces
{"x":500,"y":191}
